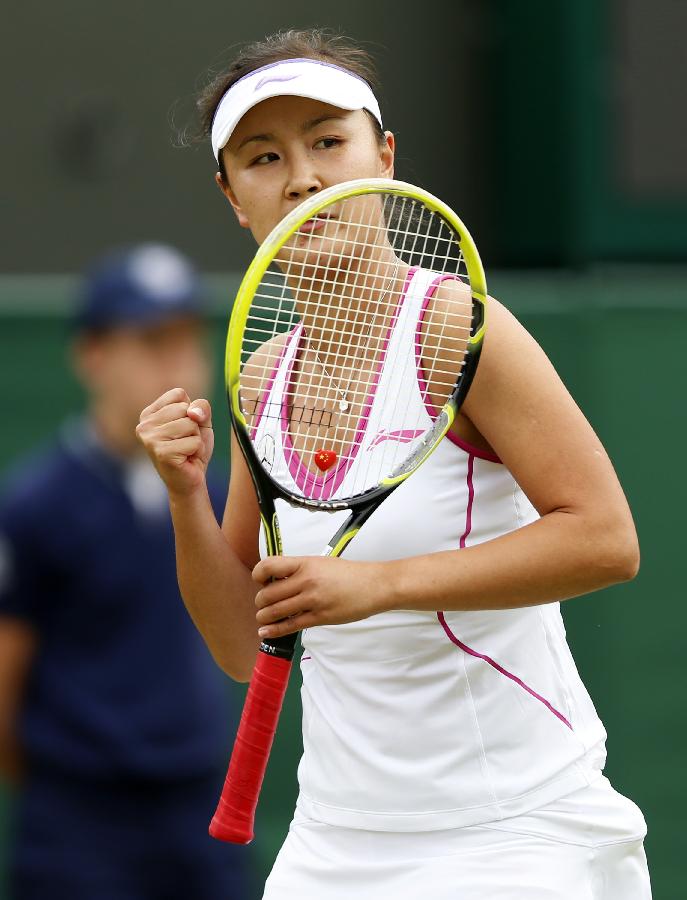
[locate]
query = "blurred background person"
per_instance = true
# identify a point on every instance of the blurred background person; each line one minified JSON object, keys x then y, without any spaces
{"x":113,"y":717}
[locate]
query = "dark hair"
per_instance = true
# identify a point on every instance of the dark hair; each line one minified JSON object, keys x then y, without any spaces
{"x":313,"y":43}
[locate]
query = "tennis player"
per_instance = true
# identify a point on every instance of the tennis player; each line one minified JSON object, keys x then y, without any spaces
{"x":450,"y":747}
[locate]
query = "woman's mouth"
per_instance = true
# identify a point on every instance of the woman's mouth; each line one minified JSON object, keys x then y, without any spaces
{"x":317,"y":223}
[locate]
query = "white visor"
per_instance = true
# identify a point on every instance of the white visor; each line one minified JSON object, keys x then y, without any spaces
{"x":310,"y":78}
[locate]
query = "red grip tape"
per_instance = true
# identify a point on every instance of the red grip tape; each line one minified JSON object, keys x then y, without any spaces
{"x":235,"y":814}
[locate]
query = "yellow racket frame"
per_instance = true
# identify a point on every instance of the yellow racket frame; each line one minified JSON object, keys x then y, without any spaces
{"x":281,"y":233}
{"x":266,"y":254}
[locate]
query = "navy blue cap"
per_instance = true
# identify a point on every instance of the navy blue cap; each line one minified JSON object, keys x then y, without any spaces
{"x":141,"y":285}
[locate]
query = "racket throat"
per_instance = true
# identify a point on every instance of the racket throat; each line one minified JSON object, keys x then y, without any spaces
{"x":351,"y":527}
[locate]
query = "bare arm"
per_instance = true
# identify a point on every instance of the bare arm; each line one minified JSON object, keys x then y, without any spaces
{"x":17,"y":649}
{"x":213,"y":564}
{"x":585,"y":538}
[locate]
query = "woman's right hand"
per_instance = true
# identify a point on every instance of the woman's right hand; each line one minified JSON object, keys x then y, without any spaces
{"x":177,"y":435}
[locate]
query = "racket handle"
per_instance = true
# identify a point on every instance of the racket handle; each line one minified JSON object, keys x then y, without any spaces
{"x":235,"y":815}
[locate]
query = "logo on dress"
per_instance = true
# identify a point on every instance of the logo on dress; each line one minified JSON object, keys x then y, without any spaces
{"x":265,"y":451}
{"x":404,"y":436}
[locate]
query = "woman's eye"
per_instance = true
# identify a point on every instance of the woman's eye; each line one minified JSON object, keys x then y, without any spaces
{"x":264,"y":159}
{"x":327,"y":143}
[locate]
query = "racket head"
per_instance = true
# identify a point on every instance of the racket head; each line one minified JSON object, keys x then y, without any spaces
{"x":364,"y":275}
{"x":325,"y":289}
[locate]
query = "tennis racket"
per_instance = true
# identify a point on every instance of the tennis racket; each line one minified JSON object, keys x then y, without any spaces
{"x":328,"y":412}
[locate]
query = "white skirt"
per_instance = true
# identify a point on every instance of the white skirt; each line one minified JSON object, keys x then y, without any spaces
{"x":586,"y":846}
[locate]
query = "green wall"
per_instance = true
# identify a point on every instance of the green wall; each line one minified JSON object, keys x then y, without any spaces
{"x":576,"y":95}
{"x":617,"y":337}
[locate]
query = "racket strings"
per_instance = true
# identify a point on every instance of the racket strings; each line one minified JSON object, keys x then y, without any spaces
{"x":321,"y":328}
{"x":439,"y":258}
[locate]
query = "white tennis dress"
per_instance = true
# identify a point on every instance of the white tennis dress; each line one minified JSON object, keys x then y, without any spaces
{"x":429,"y":723}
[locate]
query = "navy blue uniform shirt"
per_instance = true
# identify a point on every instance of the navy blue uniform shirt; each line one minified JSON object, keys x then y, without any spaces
{"x":122,"y":684}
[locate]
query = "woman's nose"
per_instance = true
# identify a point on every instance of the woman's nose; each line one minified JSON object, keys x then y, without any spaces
{"x":303,"y":181}
{"x":295,"y":193}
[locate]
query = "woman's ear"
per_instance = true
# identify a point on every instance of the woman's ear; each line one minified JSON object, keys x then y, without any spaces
{"x":225,"y":188}
{"x":387,"y":154}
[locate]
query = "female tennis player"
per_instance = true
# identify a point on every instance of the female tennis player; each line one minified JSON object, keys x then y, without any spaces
{"x":450,"y":747}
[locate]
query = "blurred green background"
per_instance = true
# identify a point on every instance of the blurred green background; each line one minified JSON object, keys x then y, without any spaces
{"x":555,"y":128}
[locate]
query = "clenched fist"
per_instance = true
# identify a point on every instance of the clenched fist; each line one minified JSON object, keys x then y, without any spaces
{"x":177,"y":435}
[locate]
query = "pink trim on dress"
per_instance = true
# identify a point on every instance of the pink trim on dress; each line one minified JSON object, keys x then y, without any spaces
{"x":323,"y":487}
{"x":422,"y":380}
{"x":451,"y":636}
{"x":464,"y":647}
{"x":471,"y":449}
{"x":471,"y":497}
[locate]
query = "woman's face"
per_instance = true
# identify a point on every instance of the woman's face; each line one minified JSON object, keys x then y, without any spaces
{"x":287,"y":148}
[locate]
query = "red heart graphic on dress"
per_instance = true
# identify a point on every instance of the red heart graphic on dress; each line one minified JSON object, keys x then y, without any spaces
{"x":324,"y":459}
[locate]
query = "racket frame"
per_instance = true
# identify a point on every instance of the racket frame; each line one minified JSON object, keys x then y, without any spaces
{"x":234,"y":818}
{"x":268,"y":488}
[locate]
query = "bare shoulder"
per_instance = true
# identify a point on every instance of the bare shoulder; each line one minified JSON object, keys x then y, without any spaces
{"x":258,"y":369}
{"x":510,"y":352}
{"x":444,"y":332}
{"x":267,"y":354}
{"x":503,"y":324}
{"x":520,"y":405}
{"x":452,"y":296}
